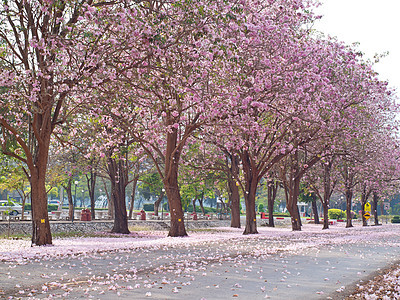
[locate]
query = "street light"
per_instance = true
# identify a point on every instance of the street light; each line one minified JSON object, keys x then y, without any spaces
{"x":83,"y":199}
{"x":76,"y":183}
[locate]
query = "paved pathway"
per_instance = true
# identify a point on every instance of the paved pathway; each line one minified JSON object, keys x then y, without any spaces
{"x":295,"y":265}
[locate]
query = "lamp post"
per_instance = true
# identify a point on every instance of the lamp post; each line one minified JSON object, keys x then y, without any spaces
{"x":83,"y":199}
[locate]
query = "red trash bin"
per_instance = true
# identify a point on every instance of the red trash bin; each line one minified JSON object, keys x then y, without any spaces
{"x":88,"y":215}
{"x":85,"y":215}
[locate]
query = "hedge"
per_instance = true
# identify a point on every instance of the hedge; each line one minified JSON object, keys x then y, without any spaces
{"x":50,"y":207}
{"x":335,"y":213}
{"x":278,"y":214}
{"x":207,"y":210}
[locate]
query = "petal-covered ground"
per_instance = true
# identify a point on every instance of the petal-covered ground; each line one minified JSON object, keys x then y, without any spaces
{"x":217,"y":263}
{"x":385,"y":286}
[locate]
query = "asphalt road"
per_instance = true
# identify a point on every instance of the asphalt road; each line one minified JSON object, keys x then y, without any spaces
{"x":288,"y":267}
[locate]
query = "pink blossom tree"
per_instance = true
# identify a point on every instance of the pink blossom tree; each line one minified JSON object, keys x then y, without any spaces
{"x":42,"y":62}
{"x":169,"y":81}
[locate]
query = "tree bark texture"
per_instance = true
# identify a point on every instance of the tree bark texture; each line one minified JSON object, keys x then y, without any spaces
{"x":194,"y":205}
{"x":327,"y":192}
{"x":234,"y":191}
{"x":110,"y":201}
{"x":41,"y":234}
{"x":91,"y":184}
{"x":375,"y":207}
{"x":349,"y":198}
{"x":325,"y":209}
{"x":171,"y":186}
{"x":271,"y":194}
{"x":68,"y":189}
{"x":315,"y":208}
{"x":292,"y":187}
{"x":251,"y":182}
{"x":348,"y":184}
{"x":157,"y":203}
{"x":119,"y":180}
{"x":132,"y":202}
{"x":177,"y":217}
{"x":201,"y":199}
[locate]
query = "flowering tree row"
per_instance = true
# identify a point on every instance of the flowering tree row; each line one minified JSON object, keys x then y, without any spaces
{"x":248,"y":78}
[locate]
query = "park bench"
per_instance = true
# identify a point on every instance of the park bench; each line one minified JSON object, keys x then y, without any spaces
{"x":101,"y":215}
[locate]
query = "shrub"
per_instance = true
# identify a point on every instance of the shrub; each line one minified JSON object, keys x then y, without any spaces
{"x":277,"y":214}
{"x":353,"y":215}
{"x":261,"y":207}
{"x":50,"y":207}
{"x":335,"y":213}
{"x":395,"y":219}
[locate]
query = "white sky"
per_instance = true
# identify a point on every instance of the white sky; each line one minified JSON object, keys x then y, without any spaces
{"x":375,"y":24}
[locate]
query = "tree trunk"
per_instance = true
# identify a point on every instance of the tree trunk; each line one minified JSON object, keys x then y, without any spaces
{"x":349,"y":217}
{"x":194,"y":205}
{"x":294,"y":215}
{"x":272,"y":190}
{"x":325,"y":208}
{"x":298,"y":213}
{"x":327,"y":192}
{"x":91,"y":183}
{"x":234,"y":191}
{"x":68,"y":189}
{"x":175,"y":206}
{"x":292,"y":186}
{"x":251,"y":221}
{"x":201,"y":204}
{"x":375,"y":207}
{"x":315,"y":208}
{"x":41,"y":234}
{"x":119,"y":178}
{"x":234,"y":196}
{"x":170,"y":180}
{"x":251,"y":182}
{"x":235,"y":205}
{"x":110,"y":201}
{"x":157,"y":203}
{"x":132,"y":202}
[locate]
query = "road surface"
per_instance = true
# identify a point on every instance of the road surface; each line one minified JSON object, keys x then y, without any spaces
{"x":275,"y":264}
